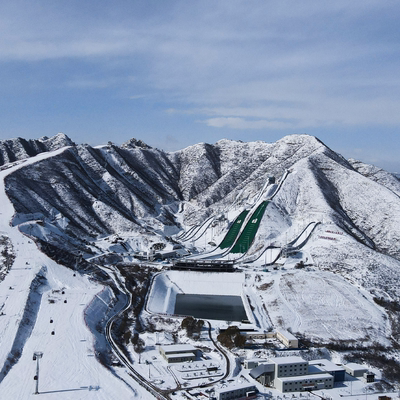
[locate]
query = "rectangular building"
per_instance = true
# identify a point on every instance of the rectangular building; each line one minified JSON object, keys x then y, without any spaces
{"x":181,"y":357}
{"x":236,"y":392}
{"x":287,"y":339}
{"x":255,"y":362}
{"x":289,"y":366}
{"x":304,"y":383}
{"x":175,"y":353}
{"x":355,"y":370}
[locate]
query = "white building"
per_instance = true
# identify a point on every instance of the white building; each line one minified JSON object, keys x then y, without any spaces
{"x":255,"y":362}
{"x":355,"y":370}
{"x":324,"y":365}
{"x":287,"y":339}
{"x":304,"y":382}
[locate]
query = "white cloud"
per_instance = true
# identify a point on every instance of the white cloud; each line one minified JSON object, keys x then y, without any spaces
{"x":241,"y":123}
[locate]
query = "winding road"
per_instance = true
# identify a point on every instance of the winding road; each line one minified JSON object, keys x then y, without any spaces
{"x":150,"y":387}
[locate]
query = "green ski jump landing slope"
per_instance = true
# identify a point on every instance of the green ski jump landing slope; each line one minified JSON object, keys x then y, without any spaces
{"x":231,"y":236}
{"x":249,"y":232}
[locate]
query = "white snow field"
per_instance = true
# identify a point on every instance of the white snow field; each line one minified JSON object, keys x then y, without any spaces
{"x":30,"y":296}
{"x":319,"y":305}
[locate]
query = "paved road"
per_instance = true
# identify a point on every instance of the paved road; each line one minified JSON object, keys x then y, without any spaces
{"x":154,"y":390}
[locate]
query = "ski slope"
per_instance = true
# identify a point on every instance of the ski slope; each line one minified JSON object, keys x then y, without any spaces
{"x":36,"y":291}
{"x":234,"y":230}
{"x":247,"y":236}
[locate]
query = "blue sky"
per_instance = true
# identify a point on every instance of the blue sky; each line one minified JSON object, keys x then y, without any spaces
{"x":175,"y":73}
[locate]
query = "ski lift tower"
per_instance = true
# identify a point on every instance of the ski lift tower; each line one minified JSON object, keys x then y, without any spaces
{"x":37,"y":355}
{"x":78,"y":259}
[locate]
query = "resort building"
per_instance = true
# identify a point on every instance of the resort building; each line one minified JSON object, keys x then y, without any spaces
{"x":289,"y":366}
{"x":293,"y":374}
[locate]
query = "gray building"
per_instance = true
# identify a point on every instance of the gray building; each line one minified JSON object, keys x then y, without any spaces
{"x":244,"y":390}
{"x":176,"y":353}
{"x":255,"y":362}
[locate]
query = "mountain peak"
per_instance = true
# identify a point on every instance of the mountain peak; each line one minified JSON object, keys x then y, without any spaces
{"x":57,"y":141}
{"x":135,"y":143}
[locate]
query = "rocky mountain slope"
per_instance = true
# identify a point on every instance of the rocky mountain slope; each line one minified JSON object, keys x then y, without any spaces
{"x":87,"y":191}
{"x":18,"y":149}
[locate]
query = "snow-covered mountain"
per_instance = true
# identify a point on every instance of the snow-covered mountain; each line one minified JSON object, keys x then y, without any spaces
{"x":87,"y":191}
{"x":18,"y":149}
{"x":93,"y":207}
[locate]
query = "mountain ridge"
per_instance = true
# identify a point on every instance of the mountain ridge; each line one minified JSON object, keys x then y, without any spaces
{"x":133,"y":187}
{"x":17,"y":149}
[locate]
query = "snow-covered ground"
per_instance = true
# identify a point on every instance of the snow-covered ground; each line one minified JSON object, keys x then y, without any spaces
{"x":35,"y":292}
{"x":320,"y":305}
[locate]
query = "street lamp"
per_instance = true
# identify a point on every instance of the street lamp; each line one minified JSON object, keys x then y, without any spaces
{"x":37,"y":355}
